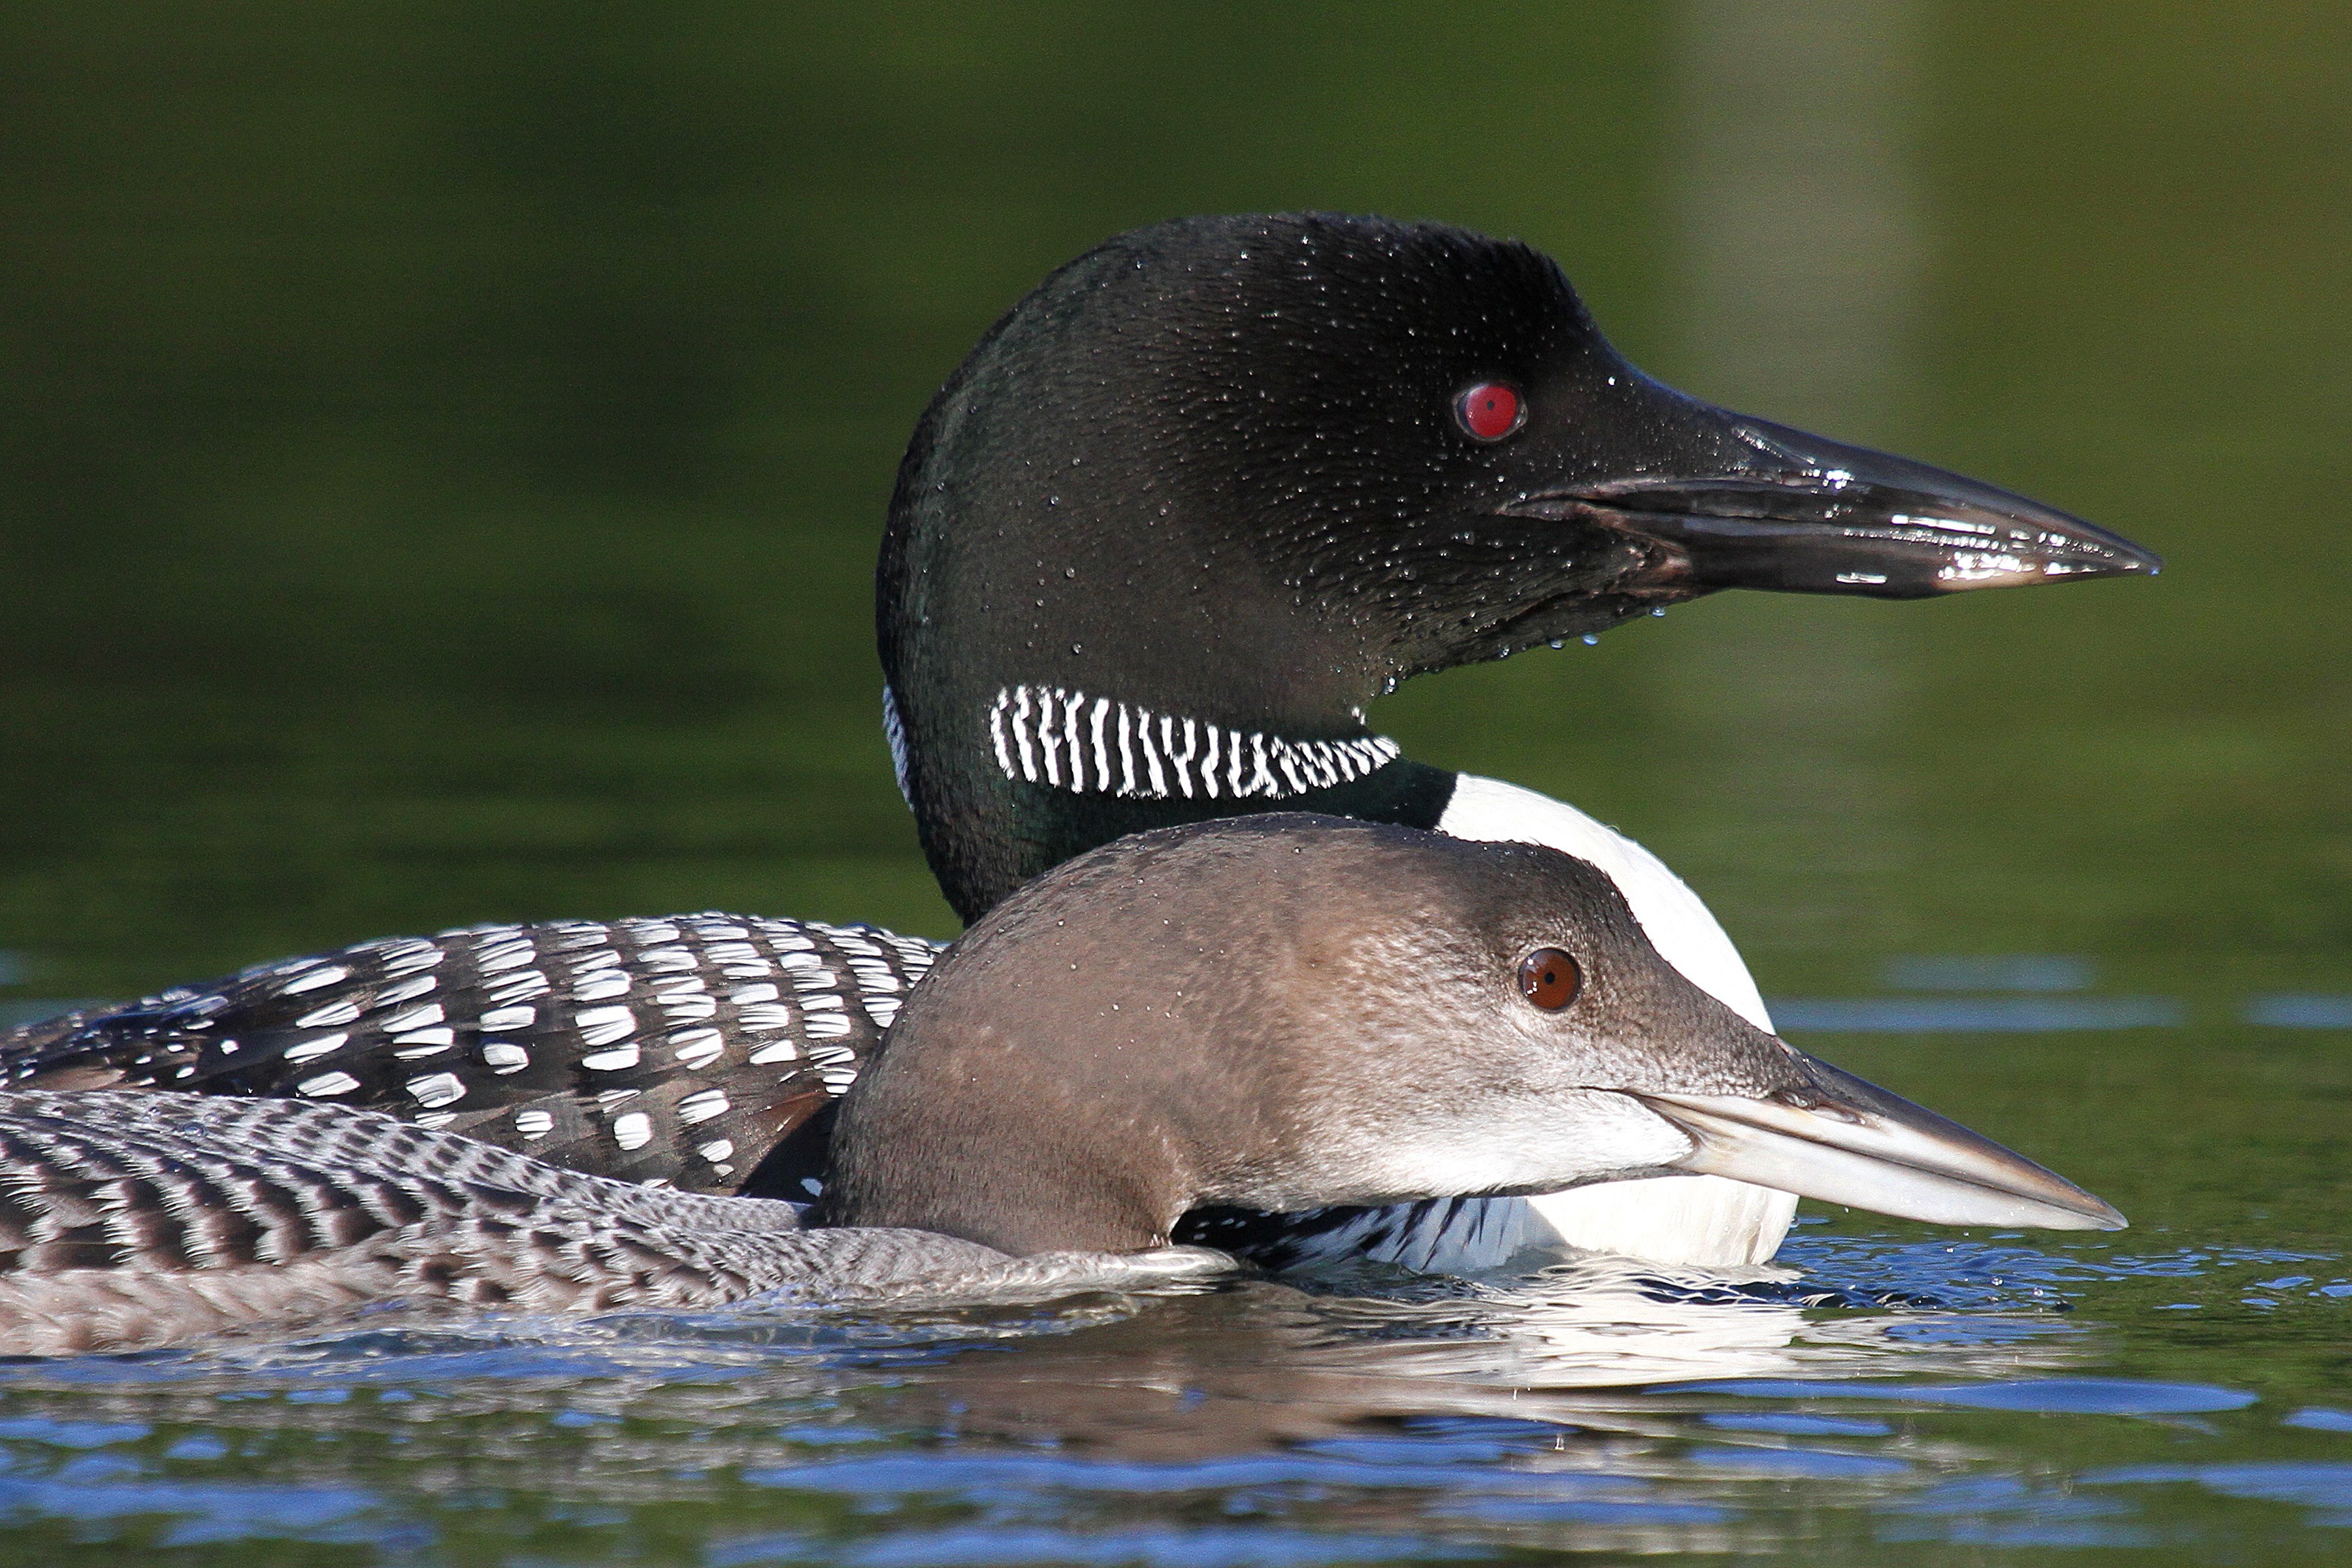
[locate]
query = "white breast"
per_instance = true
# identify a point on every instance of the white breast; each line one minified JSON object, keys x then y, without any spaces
{"x":1673,"y":1219}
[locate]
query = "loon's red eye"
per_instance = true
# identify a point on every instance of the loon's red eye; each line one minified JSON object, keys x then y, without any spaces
{"x":1489,"y":411}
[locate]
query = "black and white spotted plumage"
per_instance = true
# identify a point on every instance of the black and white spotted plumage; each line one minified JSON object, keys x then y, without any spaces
{"x":683,"y":1051}
{"x":129,"y":1221}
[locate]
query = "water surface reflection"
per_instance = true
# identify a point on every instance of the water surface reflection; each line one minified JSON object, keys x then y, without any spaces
{"x":1923,"y":1390}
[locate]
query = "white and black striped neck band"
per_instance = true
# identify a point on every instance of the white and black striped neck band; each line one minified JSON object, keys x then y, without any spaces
{"x":1097,"y":745}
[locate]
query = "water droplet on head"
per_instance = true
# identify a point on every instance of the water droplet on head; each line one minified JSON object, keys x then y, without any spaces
{"x":1592,"y":639}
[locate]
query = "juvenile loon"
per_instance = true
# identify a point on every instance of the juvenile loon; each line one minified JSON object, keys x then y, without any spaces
{"x":1180,"y":516}
{"x":1283,"y":1013}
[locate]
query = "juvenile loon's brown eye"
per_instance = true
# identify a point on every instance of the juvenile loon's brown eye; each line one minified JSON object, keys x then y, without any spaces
{"x":1489,"y":410}
{"x":1549,"y":978}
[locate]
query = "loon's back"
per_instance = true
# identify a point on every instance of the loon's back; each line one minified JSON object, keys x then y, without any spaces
{"x":700,"y":1051}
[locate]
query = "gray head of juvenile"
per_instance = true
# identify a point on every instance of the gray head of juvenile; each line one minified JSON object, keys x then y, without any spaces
{"x":1281,"y":1012}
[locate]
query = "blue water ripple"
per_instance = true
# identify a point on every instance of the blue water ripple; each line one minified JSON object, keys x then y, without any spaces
{"x":2047,"y":1395}
{"x":1796,"y":1426}
{"x":197,"y":1446}
{"x":2001,"y":972}
{"x":2322,"y":1485}
{"x":980,"y":1546}
{"x":73,"y":1434}
{"x":215,"y":1511}
{"x":2004,"y":1511}
{"x":1973,"y":1015}
{"x":2301,"y":1011}
{"x":2318,"y":1418}
{"x":1001,"y":1475}
{"x":1806,"y":1463}
{"x":1579,"y":1510}
{"x":2026,"y":1531}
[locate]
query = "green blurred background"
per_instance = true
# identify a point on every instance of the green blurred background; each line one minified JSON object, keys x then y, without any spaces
{"x":443,"y":447}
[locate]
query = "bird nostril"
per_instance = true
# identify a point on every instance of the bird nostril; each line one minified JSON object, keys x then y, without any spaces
{"x":1800,"y":1097}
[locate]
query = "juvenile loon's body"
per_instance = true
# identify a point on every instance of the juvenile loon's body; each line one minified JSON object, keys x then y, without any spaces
{"x":1209,"y":1015}
{"x":1189,"y":507}
{"x":228,"y":1213}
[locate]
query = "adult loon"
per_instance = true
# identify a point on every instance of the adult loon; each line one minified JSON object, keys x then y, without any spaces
{"x":1178,"y":517}
{"x":1283,"y":1013}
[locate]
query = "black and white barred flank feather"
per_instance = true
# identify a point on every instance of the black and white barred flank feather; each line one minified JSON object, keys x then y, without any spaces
{"x":682,"y":1052}
{"x":129,"y":1221}
{"x":1435,"y":1235}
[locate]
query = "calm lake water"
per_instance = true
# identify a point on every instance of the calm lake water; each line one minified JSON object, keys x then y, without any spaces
{"x":441,"y":460}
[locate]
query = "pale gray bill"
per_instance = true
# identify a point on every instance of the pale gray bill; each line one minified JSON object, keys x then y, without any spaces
{"x":1859,"y":1145}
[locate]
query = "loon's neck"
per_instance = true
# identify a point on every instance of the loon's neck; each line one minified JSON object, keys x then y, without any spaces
{"x":1007,"y":783}
{"x":1181,"y":484}
{"x":1063,"y":675}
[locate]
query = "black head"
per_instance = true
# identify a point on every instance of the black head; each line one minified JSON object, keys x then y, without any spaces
{"x":1289,"y":1012}
{"x":1256,"y":470}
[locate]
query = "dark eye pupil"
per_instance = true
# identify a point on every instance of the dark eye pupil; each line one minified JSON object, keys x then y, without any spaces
{"x":1549,"y":978}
